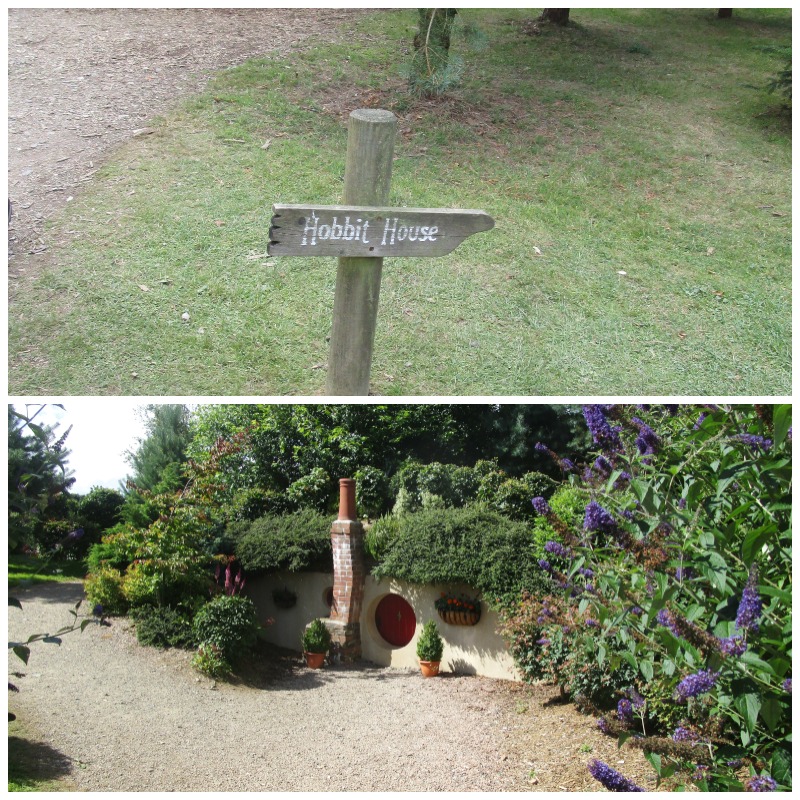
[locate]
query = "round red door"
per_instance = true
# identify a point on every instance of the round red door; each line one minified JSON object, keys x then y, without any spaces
{"x":395,"y":620}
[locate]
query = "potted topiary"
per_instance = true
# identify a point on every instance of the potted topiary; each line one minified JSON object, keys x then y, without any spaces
{"x":429,"y":649}
{"x":316,"y":641}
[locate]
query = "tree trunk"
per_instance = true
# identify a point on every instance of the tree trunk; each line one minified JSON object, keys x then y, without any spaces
{"x":559,"y":16}
{"x":431,"y":50}
{"x":725,"y":13}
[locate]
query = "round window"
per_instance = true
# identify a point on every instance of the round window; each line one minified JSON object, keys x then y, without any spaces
{"x":395,"y":620}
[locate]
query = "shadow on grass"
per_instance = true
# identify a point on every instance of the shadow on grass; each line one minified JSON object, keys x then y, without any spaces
{"x":31,"y":763}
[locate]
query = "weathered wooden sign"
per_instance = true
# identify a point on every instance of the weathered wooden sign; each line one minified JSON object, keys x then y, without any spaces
{"x":370,"y":232}
{"x":361,"y":233}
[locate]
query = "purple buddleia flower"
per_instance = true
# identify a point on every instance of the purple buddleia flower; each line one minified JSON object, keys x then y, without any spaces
{"x":749,"y":610}
{"x":602,"y":466}
{"x":682,"y":503}
{"x":787,"y":686}
{"x":566,"y":464}
{"x":625,"y":710}
{"x":637,"y":611}
{"x":635,"y":697}
{"x":592,"y":623}
{"x":540,"y":506}
{"x":586,"y":572}
{"x":700,"y":419}
{"x":97,"y":611}
{"x":602,"y":724}
{"x":602,"y":433}
{"x":558,"y":549}
{"x":701,"y":772}
{"x":545,"y":565}
{"x":664,"y":617}
{"x":696,"y":684}
{"x":682,"y":734}
{"x":542,"y":642}
{"x":684,"y":573}
{"x":760,"y":783}
{"x":542,"y":448}
{"x":610,"y":778}
{"x":623,"y":479}
{"x":756,"y":443}
{"x":732,"y":646}
{"x":672,"y":410}
{"x":598,"y":519}
{"x":647,"y":441}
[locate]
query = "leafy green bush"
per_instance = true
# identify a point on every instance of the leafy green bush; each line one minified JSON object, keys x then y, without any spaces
{"x":104,"y":587}
{"x":106,"y":553}
{"x":372,"y":491}
{"x":380,"y":535}
{"x":680,"y":572}
{"x":316,"y":638}
{"x":163,"y":626}
{"x":313,"y":491}
{"x":293,"y":542}
{"x":230,"y":623}
{"x":468,"y":545}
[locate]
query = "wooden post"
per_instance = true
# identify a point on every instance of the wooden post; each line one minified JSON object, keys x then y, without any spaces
{"x":367,"y":177}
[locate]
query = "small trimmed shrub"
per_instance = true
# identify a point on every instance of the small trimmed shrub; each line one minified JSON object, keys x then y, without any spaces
{"x":230,"y":623}
{"x":105,"y":588}
{"x":163,"y":626}
{"x":316,"y":638}
{"x":293,"y":542}
{"x":430,"y":645}
{"x":105,"y":553}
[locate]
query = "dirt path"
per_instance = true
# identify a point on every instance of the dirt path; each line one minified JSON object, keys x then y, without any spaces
{"x":81,"y":81}
{"x":120,"y":717}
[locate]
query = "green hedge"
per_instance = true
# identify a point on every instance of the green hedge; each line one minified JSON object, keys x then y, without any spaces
{"x":470,"y":545}
{"x":291,"y":542}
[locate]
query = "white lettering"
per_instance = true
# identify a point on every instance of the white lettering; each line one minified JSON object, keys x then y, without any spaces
{"x":366,"y":225}
{"x":311,"y":225}
{"x":386,"y":231}
{"x":324,"y":232}
{"x":336,"y":230}
{"x":402,"y":232}
{"x":349,"y":232}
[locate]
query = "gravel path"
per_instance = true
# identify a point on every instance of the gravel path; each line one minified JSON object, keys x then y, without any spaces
{"x":131,"y":718}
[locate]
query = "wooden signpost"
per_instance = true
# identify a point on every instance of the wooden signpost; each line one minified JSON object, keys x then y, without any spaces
{"x":360,"y":233}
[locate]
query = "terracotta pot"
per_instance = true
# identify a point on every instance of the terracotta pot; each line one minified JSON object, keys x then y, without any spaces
{"x":430,"y":669}
{"x":314,"y":660}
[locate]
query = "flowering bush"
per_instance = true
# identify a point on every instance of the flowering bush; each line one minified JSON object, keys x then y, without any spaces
{"x":681,"y":571}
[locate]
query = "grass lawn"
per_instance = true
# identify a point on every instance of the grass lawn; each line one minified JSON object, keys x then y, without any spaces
{"x":27,"y":570}
{"x":641,"y":189}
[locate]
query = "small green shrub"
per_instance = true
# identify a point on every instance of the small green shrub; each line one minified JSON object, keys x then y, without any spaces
{"x":380,"y":535}
{"x":316,"y":638}
{"x":292,"y":542}
{"x":105,"y":553}
{"x":209,"y":659}
{"x":230,"y":623}
{"x":430,"y":645}
{"x":105,"y":588}
{"x":163,"y":626}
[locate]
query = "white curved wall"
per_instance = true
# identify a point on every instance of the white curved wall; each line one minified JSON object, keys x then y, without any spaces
{"x":468,"y":649}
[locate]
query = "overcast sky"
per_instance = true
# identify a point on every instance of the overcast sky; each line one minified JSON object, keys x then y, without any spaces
{"x":103,"y":429}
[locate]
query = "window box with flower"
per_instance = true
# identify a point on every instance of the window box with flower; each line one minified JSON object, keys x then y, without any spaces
{"x":458,"y":610}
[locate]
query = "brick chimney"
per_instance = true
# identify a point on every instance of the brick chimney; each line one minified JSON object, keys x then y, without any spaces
{"x":347,"y":540}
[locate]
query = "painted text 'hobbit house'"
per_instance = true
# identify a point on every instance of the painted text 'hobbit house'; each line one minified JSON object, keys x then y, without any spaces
{"x":380,"y":619}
